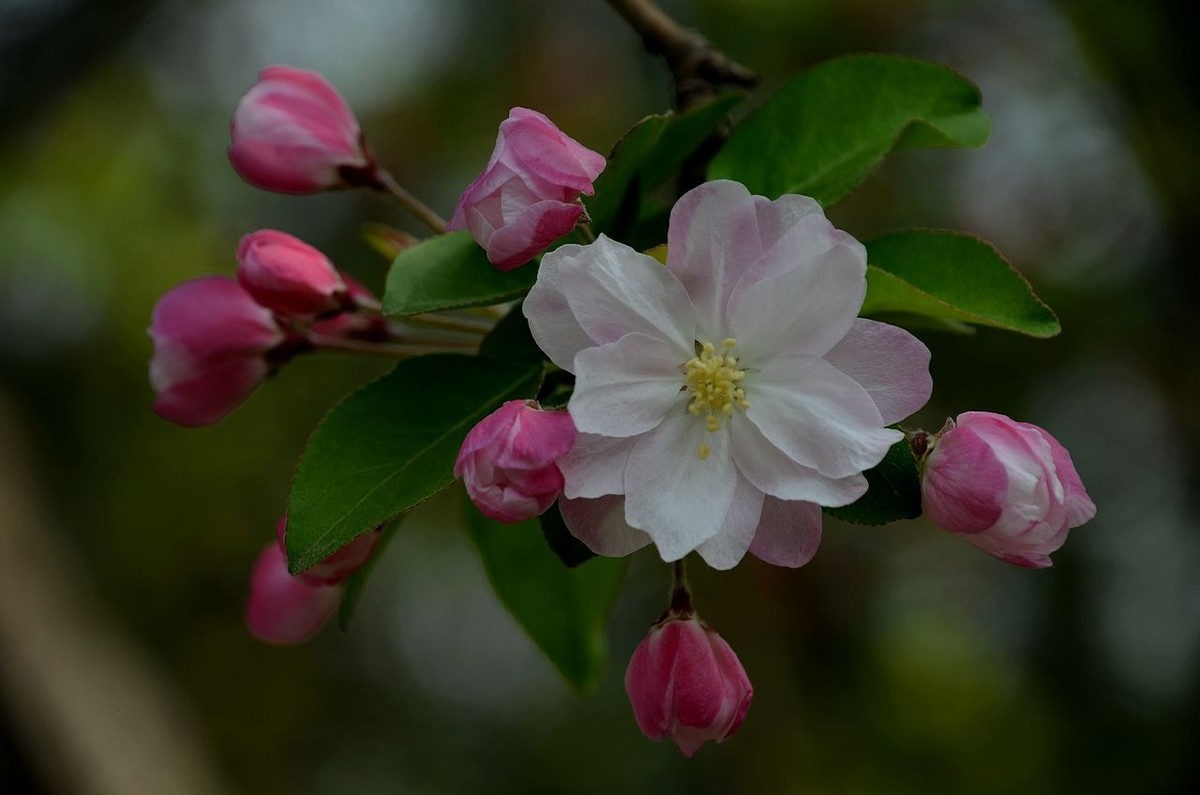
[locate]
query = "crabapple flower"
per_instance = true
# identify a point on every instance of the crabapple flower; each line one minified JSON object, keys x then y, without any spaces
{"x":282,"y":608}
{"x":528,"y":196}
{"x":685,"y":682}
{"x":285,"y":274}
{"x":508,"y":461}
{"x":211,"y":342}
{"x":293,"y":133}
{"x":722,"y":399}
{"x":1007,"y":487}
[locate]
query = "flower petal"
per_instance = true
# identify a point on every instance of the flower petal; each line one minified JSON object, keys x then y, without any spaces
{"x":674,"y":495}
{"x":625,"y":387}
{"x":600,"y":524}
{"x":788,"y":533}
{"x":891,"y":364}
{"x":551,"y":320}
{"x":772,"y":472}
{"x":1080,"y":507}
{"x":818,"y":415}
{"x":727,"y":548}
{"x":595,"y":466}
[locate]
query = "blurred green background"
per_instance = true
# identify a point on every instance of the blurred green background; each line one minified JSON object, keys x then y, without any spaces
{"x":900,"y":661}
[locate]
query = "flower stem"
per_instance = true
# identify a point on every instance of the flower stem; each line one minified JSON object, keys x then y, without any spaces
{"x":360,"y":347}
{"x":681,"y":593}
{"x":585,"y":231}
{"x":463,"y":325}
{"x":418,"y":209}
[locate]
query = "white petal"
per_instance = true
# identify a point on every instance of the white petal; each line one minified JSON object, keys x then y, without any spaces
{"x":771,"y":471}
{"x":717,"y":231}
{"x":626,"y":387}
{"x":676,"y":497}
{"x":726,"y":549}
{"x":600,"y":524}
{"x":891,"y":364}
{"x":613,"y":290}
{"x":818,"y":415}
{"x":595,"y":465}
{"x":806,"y":310}
{"x":788,"y":533}
{"x":551,"y":321}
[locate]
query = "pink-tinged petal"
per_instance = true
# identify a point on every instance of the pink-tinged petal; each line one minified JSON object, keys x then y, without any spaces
{"x":540,"y":148}
{"x":209,"y":395}
{"x":1035,"y":502}
{"x":672,"y":494}
{"x":891,"y":364}
{"x":965,"y":484}
{"x":595,"y":466}
{"x":1080,"y":508}
{"x":649,"y":682}
{"x":600,"y":524}
{"x":772,"y":472}
{"x":613,"y":291}
{"x":727,"y":548}
{"x":806,"y":310}
{"x":283,"y":609}
{"x":537,"y":435}
{"x":1031,"y":560}
{"x":285,"y":274}
{"x":625,"y":388}
{"x":788,"y":533}
{"x":551,"y":321}
{"x":717,"y":231}
{"x":819,"y":416}
{"x":739,"y":691}
{"x":530,"y":232}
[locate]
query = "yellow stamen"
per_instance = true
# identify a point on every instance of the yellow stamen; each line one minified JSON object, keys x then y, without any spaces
{"x":712,"y":377}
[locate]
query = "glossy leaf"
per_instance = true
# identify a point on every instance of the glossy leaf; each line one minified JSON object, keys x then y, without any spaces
{"x":564,"y":610}
{"x":824,"y":132}
{"x":955,"y":277}
{"x":390,"y":446}
{"x":450,"y":271}
{"x":893,"y":493}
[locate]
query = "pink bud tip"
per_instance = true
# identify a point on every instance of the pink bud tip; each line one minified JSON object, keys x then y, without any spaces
{"x":210,"y":345}
{"x":287,"y":275}
{"x":283,"y":609}
{"x":528,"y":196}
{"x":685,"y":682}
{"x":365,"y":325}
{"x":1007,"y":487}
{"x":508,"y":461}
{"x":336,"y":568}
{"x":293,"y":133}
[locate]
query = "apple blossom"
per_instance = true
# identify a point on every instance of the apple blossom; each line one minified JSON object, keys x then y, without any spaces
{"x":684,"y":681}
{"x":722,"y":399}
{"x":508,"y":460}
{"x":528,"y":196}
{"x":285,"y":274}
{"x":1007,"y":487}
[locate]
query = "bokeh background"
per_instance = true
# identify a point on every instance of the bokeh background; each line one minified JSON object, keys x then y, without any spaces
{"x":900,"y":661}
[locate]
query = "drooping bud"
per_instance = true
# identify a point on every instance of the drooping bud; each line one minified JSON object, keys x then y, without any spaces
{"x":685,"y":682}
{"x":293,"y":133}
{"x":1007,"y":487}
{"x":528,"y":196}
{"x":284,"y":609}
{"x":336,"y":568}
{"x":285,"y":274}
{"x":211,"y":342}
{"x":509,"y":460}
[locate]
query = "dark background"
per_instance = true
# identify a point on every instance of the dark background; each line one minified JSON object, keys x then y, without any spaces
{"x":900,"y":661}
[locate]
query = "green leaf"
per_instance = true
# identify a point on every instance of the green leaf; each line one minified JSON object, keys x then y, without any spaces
{"x":356,"y":583}
{"x":647,"y":156}
{"x":450,"y":271}
{"x":824,"y":132}
{"x":893,"y":492}
{"x":390,"y":446}
{"x":564,"y":610}
{"x":511,"y":341}
{"x":952,"y":276}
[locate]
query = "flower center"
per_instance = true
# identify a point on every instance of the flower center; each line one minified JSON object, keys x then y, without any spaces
{"x":712,"y":378}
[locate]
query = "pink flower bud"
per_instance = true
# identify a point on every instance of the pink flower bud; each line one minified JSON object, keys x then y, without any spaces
{"x":508,"y":461}
{"x":528,"y":196}
{"x":685,"y":681}
{"x":1007,"y":487}
{"x":210,"y":349}
{"x":284,"y":609}
{"x":287,"y":275}
{"x":336,"y":568}
{"x":293,"y":133}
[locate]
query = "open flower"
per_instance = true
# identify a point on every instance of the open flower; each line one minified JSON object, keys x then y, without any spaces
{"x":722,"y":399}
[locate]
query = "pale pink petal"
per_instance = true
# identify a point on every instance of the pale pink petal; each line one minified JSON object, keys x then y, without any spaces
{"x":1080,"y":507}
{"x":530,"y":232}
{"x":626,"y":387}
{"x":819,"y":416}
{"x":772,"y":472}
{"x":891,"y":364}
{"x":678,"y":498}
{"x":595,"y":466}
{"x":727,"y":548}
{"x":539,"y":147}
{"x":551,"y":321}
{"x":600,"y":524}
{"x":788,"y":533}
